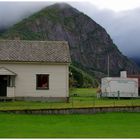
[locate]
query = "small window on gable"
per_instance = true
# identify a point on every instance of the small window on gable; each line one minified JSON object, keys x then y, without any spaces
{"x":42,"y":81}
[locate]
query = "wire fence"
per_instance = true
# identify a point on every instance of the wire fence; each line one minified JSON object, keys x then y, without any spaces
{"x":89,"y":100}
{"x":78,"y":98}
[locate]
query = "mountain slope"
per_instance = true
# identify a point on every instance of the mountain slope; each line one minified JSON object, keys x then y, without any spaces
{"x":90,"y":45}
{"x":136,"y":60}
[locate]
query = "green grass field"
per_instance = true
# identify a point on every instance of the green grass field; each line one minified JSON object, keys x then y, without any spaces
{"x":107,"y":125}
{"x":85,"y":97}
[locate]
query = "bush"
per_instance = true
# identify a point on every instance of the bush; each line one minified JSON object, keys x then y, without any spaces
{"x":79,"y":78}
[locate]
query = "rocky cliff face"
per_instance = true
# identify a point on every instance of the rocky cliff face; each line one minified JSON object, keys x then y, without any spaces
{"x":90,"y":45}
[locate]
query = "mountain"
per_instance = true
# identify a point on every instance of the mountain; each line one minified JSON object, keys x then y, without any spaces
{"x":136,"y":59}
{"x":90,"y":45}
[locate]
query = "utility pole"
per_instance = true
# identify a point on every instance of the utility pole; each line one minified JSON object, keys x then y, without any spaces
{"x":108,"y":65}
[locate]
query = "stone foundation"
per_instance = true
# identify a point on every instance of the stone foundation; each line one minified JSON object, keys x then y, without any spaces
{"x":90,"y":110}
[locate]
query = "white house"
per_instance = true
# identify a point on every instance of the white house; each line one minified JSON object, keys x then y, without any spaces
{"x":34,"y":70}
{"x":119,"y":86}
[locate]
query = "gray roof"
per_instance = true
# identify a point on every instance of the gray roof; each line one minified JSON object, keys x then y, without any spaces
{"x":34,"y":51}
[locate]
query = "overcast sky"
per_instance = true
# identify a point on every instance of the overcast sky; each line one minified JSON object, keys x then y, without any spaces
{"x":120,"y":18}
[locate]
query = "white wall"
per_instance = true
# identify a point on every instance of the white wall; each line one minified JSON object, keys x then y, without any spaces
{"x":25,"y":81}
{"x":127,"y":87}
{"x":10,"y":91}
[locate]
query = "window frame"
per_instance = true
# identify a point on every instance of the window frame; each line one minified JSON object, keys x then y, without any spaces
{"x":41,"y":88}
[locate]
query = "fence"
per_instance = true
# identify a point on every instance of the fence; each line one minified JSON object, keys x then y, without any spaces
{"x":90,"y":99}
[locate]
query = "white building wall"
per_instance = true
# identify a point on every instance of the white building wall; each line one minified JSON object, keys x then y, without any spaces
{"x":125,"y":87}
{"x":10,"y":91}
{"x":25,"y":81}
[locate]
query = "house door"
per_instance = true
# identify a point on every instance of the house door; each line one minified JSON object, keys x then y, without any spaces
{"x":3,"y":85}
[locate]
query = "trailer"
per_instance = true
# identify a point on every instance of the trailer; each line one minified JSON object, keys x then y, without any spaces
{"x":119,"y":87}
{"x":136,"y":76}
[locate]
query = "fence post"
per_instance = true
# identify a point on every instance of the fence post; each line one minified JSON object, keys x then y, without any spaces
{"x":114,"y":99}
{"x":132,"y":99}
{"x":93,"y":101}
{"x":72,"y":100}
{"x":118,"y":95}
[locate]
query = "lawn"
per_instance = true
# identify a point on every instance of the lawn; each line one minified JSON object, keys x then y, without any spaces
{"x":107,"y":125}
{"x":87,"y":97}
{"x":83,"y":97}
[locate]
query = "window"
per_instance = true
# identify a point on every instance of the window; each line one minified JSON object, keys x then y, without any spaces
{"x":42,"y":81}
{"x":11,"y":81}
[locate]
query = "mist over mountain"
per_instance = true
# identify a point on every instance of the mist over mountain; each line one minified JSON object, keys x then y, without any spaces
{"x":13,"y":12}
{"x":90,"y":44}
{"x":123,"y":27}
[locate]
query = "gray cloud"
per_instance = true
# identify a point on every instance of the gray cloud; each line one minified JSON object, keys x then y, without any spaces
{"x":12,"y":12}
{"x":123,"y":27}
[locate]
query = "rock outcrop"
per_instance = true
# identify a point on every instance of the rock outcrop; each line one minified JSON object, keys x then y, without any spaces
{"x":90,"y":45}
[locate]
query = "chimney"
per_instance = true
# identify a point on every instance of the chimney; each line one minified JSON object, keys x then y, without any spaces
{"x":123,"y":74}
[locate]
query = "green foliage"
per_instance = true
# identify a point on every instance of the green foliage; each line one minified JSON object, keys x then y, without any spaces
{"x":81,"y":78}
{"x":69,"y":23}
{"x":49,"y":13}
{"x":77,"y":75}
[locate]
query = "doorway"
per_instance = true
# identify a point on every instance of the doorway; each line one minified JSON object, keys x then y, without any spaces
{"x":3,"y":85}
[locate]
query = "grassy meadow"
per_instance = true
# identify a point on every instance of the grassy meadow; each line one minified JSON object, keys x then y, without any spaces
{"x":80,"y":97}
{"x":100,"y":125}
{"x":107,"y":125}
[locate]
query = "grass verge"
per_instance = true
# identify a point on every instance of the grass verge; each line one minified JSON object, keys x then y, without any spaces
{"x":84,"y":97}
